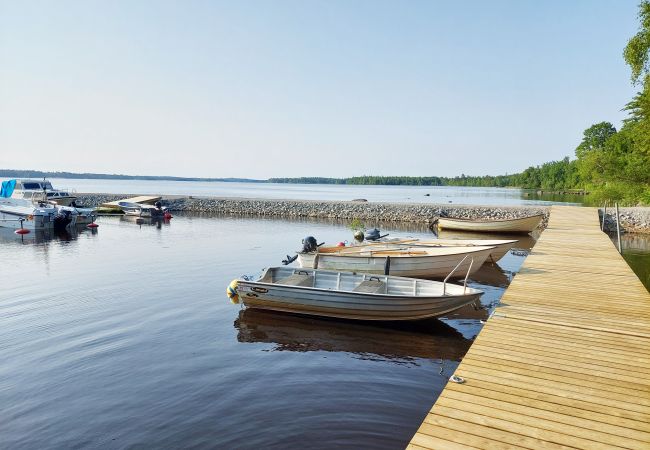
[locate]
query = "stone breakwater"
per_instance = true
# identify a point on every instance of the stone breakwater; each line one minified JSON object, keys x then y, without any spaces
{"x":362,"y":210}
{"x":632,"y":220}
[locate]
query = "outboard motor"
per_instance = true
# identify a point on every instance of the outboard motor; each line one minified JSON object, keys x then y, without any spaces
{"x":309,"y":244}
{"x":62,"y":219}
{"x":374,"y":235}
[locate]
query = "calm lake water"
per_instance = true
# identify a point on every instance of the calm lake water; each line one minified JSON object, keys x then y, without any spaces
{"x":636,"y":251}
{"x":124,"y":338}
{"x":395,"y":194}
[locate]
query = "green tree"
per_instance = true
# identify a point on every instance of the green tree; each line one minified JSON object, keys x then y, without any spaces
{"x":637,"y":50}
{"x":594,"y":138}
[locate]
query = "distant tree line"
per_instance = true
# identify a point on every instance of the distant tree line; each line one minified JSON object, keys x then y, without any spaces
{"x":614,"y":165}
{"x":554,"y":175}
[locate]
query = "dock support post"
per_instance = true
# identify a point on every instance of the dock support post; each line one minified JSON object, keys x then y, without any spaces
{"x":618,"y":230}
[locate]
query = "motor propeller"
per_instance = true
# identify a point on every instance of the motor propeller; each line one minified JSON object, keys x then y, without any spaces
{"x":309,"y":245}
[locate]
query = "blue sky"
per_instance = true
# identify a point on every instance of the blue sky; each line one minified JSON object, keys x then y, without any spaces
{"x":307,"y":88}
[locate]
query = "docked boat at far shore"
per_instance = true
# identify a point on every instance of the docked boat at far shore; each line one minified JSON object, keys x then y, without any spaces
{"x":142,"y":210}
{"x":352,"y":296}
{"x":520,"y":225}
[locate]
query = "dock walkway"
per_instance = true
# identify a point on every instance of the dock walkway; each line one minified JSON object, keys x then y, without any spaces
{"x":565,"y":360}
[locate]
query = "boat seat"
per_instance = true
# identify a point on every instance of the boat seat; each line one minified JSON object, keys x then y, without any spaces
{"x":297,"y":279}
{"x":371,"y":287}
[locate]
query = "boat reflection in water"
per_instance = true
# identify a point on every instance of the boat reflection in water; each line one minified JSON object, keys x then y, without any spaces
{"x":158,"y":222}
{"x":46,"y":235}
{"x":393,"y":341}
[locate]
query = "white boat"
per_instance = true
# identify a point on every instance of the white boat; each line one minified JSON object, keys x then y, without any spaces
{"x":38,"y":194}
{"x":352,"y":296}
{"x":85,"y":216}
{"x":141,"y":210}
{"x":35,"y":190}
{"x":21,"y":213}
{"x":501,"y":246}
{"x":521,"y":225}
{"x":410,"y":261}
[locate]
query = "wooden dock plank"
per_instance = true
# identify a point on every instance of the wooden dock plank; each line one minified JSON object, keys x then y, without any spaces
{"x":565,"y":360}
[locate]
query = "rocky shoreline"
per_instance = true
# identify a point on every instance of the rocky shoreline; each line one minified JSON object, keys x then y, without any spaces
{"x":362,"y":210}
{"x":632,"y":219}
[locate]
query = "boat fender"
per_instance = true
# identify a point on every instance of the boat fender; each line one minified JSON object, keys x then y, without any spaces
{"x":231,"y":291}
{"x":341,"y":244}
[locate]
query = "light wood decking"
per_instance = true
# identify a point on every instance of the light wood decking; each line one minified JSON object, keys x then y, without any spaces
{"x":565,"y":360}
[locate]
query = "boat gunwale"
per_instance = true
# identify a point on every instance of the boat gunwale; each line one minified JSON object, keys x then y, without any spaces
{"x":368,"y":294}
{"x":355,"y":254}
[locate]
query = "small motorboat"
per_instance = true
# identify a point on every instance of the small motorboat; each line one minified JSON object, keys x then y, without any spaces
{"x":501,"y":246}
{"x":142,"y":210}
{"x":521,"y":225}
{"x":422,"y":262}
{"x":19,"y":213}
{"x":351,"y":295}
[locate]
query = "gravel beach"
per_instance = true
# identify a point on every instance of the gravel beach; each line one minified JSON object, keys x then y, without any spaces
{"x":632,"y":219}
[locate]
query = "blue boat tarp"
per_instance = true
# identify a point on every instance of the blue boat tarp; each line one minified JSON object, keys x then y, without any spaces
{"x":7,"y":188}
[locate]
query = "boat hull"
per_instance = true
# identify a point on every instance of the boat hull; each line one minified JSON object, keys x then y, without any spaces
{"x":501,"y":247}
{"x":522,"y":225}
{"x":34,"y":218}
{"x":352,"y":305}
{"x":434,"y":266}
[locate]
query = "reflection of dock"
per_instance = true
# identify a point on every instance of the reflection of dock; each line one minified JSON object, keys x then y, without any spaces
{"x":491,"y":274}
{"x":399,"y":341}
{"x":564,"y":362}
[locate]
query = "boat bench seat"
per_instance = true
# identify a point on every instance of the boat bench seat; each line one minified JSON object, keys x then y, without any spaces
{"x":371,"y":287}
{"x":297,"y":279}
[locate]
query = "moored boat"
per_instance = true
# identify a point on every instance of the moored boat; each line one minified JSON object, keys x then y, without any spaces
{"x":21,"y":213}
{"x":520,"y":225}
{"x":142,"y":210}
{"x":501,"y":246}
{"x":421,"y":262}
{"x":36,"y":189}
{"x":352,"y":295}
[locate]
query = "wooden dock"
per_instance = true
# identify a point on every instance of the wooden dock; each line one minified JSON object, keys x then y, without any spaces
{"x":564,"y":362}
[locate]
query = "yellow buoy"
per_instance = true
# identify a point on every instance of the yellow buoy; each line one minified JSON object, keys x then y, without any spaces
{"x":231,"y":290}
